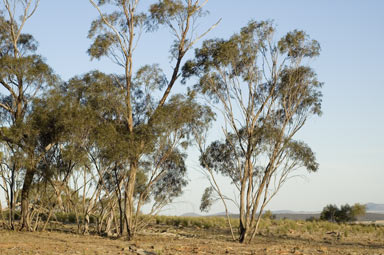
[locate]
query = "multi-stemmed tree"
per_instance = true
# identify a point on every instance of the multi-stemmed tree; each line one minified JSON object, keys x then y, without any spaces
{"x":152,"y":129}
{"x":23,"y":75}
{"x":265,"y":92}
{"x":136,"y":130}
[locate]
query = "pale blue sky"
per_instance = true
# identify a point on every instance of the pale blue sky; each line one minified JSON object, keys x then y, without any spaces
{"x":348,"y":139}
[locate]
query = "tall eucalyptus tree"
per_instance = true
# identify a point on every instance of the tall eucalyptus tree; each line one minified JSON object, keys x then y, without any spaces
{"x":265,"y":91}
{"x":23,"y":74}
{"x":153,"y":127}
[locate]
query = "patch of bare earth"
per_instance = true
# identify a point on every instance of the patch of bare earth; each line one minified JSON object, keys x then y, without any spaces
{"x":178,"y":241}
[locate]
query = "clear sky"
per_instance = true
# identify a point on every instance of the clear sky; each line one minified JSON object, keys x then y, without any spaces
{"x":348,"y":139}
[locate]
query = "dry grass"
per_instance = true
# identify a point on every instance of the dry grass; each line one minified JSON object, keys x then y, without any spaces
{"x":190,"y":235}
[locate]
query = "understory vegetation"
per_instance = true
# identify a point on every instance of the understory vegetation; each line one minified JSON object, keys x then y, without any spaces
{"x":309,"y":228}
{"x":276,"y":227}
{"x":268,"y":225}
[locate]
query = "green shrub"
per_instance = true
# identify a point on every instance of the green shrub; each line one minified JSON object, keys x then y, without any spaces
{"x":268,"y":215}
{"x":71,"y":218}
{"x":312,"y":219}
{"x":17,"y":214}
{"x":92,"y":219}
{"x":346,"y":213}
{"x":61,"y":217}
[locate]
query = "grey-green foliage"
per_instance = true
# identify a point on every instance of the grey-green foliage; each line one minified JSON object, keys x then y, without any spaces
{"x":172,"y":126}
{"x":172,"y":13}
{"x":171,"y":184}
{"x":292,"y":92}
{"x":206,"y":200}
{"x":58,"y":122}
{"x":22,"y":74}
{"x":153,"y":125}
{"x":244,"y":56}
{"x":106,"y":42}
{"x":297,"y":44}
{"x":266,"y":91}
{"x":97,"y":98}
{"x":359,"y":210}
{"x":329,"y":213}
{"x":227,"y":157}
{"x":165,"y":11}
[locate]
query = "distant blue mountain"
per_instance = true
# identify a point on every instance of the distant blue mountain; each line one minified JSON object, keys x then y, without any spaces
{"x":190,"y":214}
{"x":372,"y":207}
{"x":293,"y":212}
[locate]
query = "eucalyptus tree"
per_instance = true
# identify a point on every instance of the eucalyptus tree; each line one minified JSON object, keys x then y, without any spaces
{"x":66,"y":127}
{"x":98,"y":100}
{"x":151,"y":128}
{"x":50,"y":148}
{"x":23,"y":74}
{"x":265,"y":91}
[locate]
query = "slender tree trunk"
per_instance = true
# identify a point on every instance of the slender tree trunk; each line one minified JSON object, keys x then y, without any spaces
{"x":245,"y":222}
{"x":2,"y":214}
{"x":108,"y":226}
{"x":12,"y":201}
{"x":243,"y":232}
{"x":48,"y":218}
{"x":24,"y":199}
{"x":85,"y":219}
{"x":120,"y":227}
{"x":7,"y":199}
{"x":256,"y":226}
{"x":36,"y":221}
{"x":121,"y":217}
{"x":129,"y":206}
{"x":86,"y":225}
{"x":99,"y":221}
{"x":99,"y":225}
{"x":243,"y":227}
{"x":116,"y":223}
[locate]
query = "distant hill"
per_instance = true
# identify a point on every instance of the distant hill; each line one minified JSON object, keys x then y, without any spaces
{"x":301,"y":216}
{"x":224,"y":214}
{"x":294,"y":212}
{"x":190,"y":214}
{"x":372,"y":217}
{"x":375,"y":212}
{"x":377,"y":208}
{"x":296,"y":216}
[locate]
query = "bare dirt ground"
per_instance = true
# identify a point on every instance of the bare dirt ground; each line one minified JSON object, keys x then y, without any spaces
{"x":166,"y":240}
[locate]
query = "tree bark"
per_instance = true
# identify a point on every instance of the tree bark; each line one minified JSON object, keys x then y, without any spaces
{"x":108,"y":227}
{"x":1,"y":213}
{"x":243,"y":232}
{"x":48,"y":218}
{"x":24,"y":199}
{"x":129,"y":199}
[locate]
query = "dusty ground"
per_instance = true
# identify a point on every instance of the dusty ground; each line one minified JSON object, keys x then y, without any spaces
{"x":179,"y":241}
